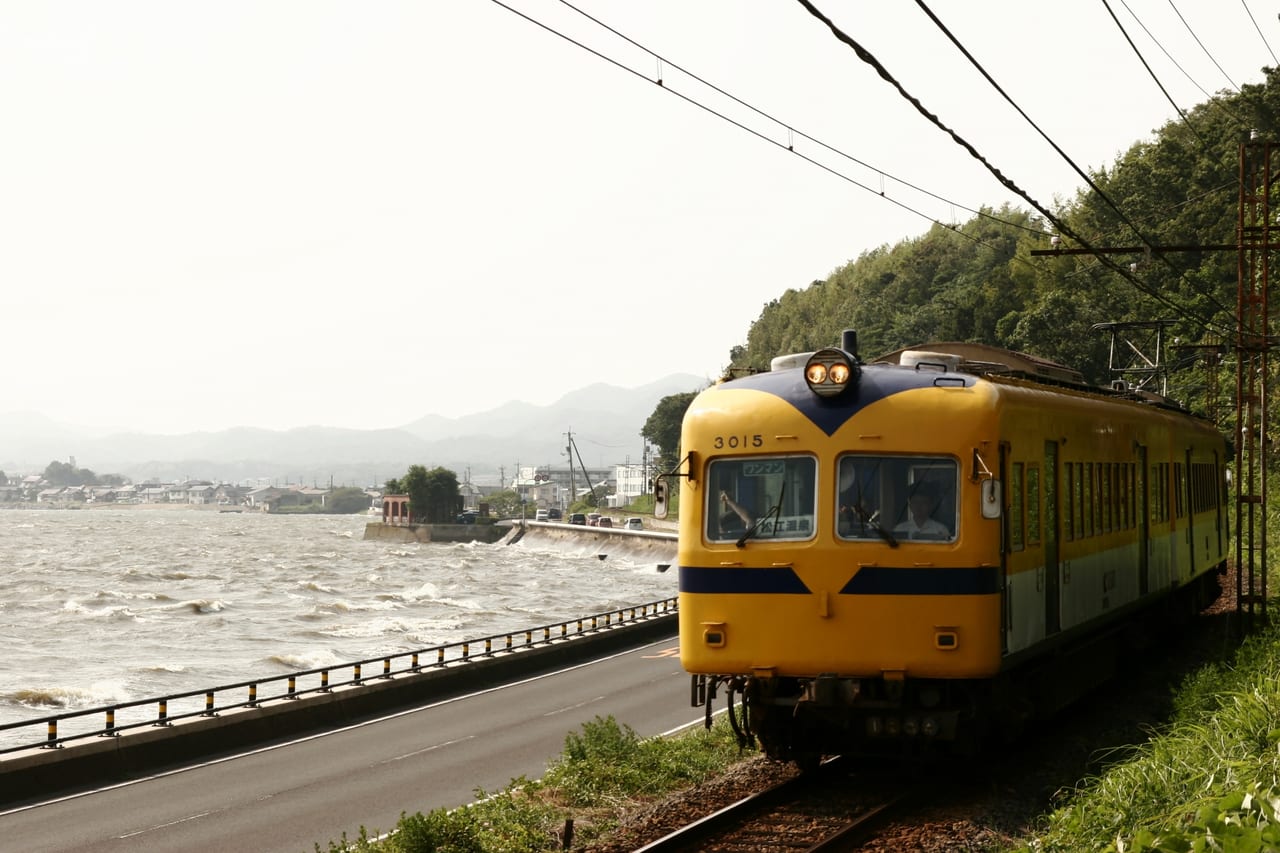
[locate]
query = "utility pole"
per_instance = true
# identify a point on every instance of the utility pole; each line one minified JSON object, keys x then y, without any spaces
{"x":568,"y":452}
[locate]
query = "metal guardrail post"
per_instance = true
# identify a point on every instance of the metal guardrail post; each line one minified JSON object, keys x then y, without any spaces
{"x":162,"y":714}
{"x":110,"y":731}
{"x":208,"y":705}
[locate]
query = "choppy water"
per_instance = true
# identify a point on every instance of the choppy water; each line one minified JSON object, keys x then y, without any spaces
{"x":106,"y":606}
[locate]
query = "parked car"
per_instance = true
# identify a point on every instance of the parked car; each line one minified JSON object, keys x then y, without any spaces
{"x":468,"y":517}
{"x":553,"y":514}
{"x":634,"y":524}
{"x":604,"y":521}
{"x":578,"y":518}
{"x":541,"y":515}
{"x":593,"y":518}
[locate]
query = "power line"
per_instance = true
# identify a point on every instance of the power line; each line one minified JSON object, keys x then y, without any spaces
{"x":1208,"y":96}
{"x":867,"y":57}
{"x":1202,"y":47}
{"x":791,"y":131}
{"x":1260,"y":35}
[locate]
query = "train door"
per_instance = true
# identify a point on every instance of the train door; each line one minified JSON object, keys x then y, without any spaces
{"x":1006,"y":521}
{"x":1052,"y":590}
{"x":1144,"y":524}
{"x":1185,"y":488}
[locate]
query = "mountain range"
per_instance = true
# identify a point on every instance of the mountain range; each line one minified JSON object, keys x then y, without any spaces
{"x":603,"y":420}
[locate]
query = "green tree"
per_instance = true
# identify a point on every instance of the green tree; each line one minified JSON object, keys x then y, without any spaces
{"x":504,"y":504}
{"x":66,"y":474}
{"x":663,"y":428}
{"x":347,"y":501}
{"x":433,"y":495}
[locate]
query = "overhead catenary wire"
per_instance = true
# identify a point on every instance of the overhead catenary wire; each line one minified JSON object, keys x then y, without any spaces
{"x":664,"y":63}
{"x":1216,"y":102}
{"x":868,"y":58}
{"x":1265,"y":43}
{"x":1088,"y":179}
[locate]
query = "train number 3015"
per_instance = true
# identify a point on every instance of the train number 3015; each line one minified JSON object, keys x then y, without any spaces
{"x":733,"y":442}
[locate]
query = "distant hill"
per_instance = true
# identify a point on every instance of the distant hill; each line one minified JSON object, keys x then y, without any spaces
{"x":605,"y":421}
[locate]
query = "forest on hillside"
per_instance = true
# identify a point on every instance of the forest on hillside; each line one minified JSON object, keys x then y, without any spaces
{"x":979,"y":281}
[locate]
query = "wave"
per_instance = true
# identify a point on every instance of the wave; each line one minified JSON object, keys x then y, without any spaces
{"x":297,"y":661}
{"x":100,"y":693}
{"x":202,"y":605}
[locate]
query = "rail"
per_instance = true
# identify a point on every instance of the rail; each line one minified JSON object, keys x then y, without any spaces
{"x":205,"y":703}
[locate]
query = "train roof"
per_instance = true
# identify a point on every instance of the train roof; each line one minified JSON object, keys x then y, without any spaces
{"x":983,"y":359}
{"x":986,"y":360}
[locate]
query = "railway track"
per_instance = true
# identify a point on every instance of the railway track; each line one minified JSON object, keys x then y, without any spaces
{"x":828,"y":810}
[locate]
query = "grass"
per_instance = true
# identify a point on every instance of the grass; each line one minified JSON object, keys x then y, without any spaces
{"x":604,"y":772}
{"x":1209,"y":781}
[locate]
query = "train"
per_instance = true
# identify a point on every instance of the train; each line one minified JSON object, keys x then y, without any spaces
{"x":916,"y":555}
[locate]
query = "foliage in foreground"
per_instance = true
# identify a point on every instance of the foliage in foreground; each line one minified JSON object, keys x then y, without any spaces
{"x":604,"y":771}
{"x":1209,"y":783}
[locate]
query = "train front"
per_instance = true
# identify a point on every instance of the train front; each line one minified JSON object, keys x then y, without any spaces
{"x":839,"y":559}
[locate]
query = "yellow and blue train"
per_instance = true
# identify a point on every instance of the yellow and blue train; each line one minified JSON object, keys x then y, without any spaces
{"x":911,"y":555}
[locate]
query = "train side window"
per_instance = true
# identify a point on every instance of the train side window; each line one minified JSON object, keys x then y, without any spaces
{"x":1104,"y":471}
{"x":1033,"y":504}
{"x":1089,"y":506}
{"x":1077,"y":498}
{"x":1069,"y":521}
{"x":1016,"y":504}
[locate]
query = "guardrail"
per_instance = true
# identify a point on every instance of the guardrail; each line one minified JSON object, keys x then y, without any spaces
{"x":124,"y":716}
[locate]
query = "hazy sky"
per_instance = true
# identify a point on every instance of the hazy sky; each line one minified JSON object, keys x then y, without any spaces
{"x":279,"y":214}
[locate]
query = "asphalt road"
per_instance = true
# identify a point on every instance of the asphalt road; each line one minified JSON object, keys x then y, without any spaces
{"x":291,"y":796}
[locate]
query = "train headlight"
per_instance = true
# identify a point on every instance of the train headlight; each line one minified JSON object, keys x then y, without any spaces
{"x":830,"y":371}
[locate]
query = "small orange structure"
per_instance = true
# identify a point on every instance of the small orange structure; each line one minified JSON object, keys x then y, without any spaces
{"x":395,"y":509}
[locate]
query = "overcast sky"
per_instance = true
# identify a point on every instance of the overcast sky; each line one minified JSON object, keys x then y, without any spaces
{"x":279,"y":214}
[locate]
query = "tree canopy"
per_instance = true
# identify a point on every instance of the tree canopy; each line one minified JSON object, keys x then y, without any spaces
{"x":663,"y":428}
{"x":977,"y":281}
{"x":433,"y":495}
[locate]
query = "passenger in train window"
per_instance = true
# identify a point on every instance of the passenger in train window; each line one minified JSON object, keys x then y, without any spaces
{"x":920,"y":523}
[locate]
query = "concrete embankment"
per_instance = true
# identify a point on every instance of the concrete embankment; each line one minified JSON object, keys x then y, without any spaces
{"x":603,"y":542}
{"x":37,"y":772}
{"x":658,"y":546}
{"x":436,"y":532}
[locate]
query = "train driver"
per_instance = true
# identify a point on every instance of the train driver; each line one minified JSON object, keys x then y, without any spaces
{"x":734,"y":516}
{"x":920,"y":523}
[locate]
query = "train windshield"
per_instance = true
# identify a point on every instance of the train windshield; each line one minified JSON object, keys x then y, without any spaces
{"x":769,"y":497}
{"x":897,"y":498}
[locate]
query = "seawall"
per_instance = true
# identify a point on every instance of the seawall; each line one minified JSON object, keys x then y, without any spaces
{"x":436,"y":532}
{"x":658,"y":546}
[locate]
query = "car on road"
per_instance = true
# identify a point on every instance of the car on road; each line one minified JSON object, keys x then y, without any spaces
{"x":634,"y":524}
{"x":578,"y":518}
{"x":604,"y":521}
{"x":553,"y":514}
{"x":541,"y":515}
{"x":468,"y":517}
